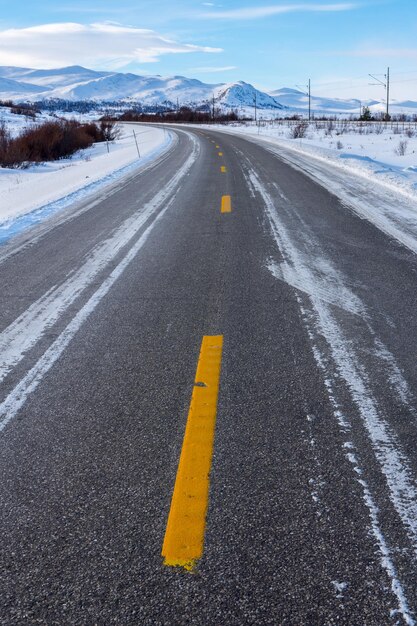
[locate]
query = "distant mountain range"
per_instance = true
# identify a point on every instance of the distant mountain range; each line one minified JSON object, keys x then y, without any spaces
{"x":77,"y":83}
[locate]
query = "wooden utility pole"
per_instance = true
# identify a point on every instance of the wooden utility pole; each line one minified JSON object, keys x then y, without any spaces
{"x":136,"y":142}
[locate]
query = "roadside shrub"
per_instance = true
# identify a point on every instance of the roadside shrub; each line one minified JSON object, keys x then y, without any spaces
{"x":47,"y":142}
{"x":4,"y":139}
{"x":339,"y":145}
{"x":401,"y":149}
{"x":299,"y":131}
{"x":330,"y":128}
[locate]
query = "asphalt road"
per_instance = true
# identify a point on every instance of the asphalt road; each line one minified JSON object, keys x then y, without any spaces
{"x":312,"y":514}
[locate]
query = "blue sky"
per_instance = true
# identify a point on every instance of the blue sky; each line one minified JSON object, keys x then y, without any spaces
{"x":269,"y":44}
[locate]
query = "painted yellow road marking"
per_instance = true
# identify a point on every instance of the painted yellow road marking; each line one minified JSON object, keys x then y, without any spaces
{"x":220,"y":153}
{"x":223,"y":169}
{"x":226,"y":204}
{"x":217,"y":147}
{"x":184,"y":535}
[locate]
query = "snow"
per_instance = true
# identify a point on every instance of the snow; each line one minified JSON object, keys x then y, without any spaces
{"x":18,"y":396}
{"x":369,"y":150}
{"x":322,"y":323}
{"x":382,"y":191}
{"x":60,"y":183}
{"x":41,"y":315}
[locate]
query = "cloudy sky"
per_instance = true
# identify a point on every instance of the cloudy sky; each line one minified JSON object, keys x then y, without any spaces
{"x":269,"y":44}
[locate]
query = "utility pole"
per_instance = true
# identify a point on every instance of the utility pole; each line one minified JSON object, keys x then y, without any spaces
{"x":255,"y":108}
{"x":136,"y":142}
{"x":386,"y":87}
{"x":213,"y":108}
{"x":307,"y":93}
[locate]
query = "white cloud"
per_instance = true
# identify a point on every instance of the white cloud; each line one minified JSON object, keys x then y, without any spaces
{"x":95,"y":45}
{"x":250,"y":13}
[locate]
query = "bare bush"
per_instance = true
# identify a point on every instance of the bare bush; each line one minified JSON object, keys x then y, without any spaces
{"x":299,"y":131}
{"x":330,"y":128}
{"x":410,"y":133}
{"x":339,"y":145}
{"x":110,"y":130}
{"x":4,"y":140}
{"x":401,"y":149}
{"x":46,"y":142}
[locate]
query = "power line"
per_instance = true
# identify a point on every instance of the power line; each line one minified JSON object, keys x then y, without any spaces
{"x":308,"y":93}
{"x":385,"y":85}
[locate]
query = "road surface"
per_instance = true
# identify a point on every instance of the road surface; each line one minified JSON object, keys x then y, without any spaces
{"x":312,"y":507}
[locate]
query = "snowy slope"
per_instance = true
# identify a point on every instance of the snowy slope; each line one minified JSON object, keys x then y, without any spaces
{"x":15,"y":90}
{"x":51,"y":79}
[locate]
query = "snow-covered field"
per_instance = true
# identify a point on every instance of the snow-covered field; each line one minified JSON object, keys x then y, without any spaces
{"x":29,"y":195}
{"x":372,"y":151}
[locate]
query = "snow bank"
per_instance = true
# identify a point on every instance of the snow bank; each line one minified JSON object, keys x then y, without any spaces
{"x":29,"y":196}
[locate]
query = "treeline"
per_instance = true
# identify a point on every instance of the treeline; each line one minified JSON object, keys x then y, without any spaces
{"x":184,"y":114}
{"x":25,"y":109}
{"x":51,"y":141}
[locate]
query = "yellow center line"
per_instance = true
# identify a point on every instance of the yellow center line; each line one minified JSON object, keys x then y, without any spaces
{"x":217,"y":147}
{"x":184,"y":535}
{"x":226,"y":206}
{"x":220,"y":153}
{"x":223,"y":169}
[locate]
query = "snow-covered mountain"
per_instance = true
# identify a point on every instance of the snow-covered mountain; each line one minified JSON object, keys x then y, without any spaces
{"x":298,"y":100}
{"x":241,"y":94}
{"x":78,"y":83}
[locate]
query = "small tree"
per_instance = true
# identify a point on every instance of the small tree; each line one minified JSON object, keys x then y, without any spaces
{"x":110,"y":130}
{"x":299,"y":131}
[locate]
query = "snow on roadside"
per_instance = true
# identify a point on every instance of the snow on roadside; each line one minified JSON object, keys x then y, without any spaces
{"x":371,"y":152}
{"x":28,"y":196}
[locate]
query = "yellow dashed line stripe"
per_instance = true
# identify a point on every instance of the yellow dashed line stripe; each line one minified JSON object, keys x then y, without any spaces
{"x":184,"y":536}
{"x":226,"y":206}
